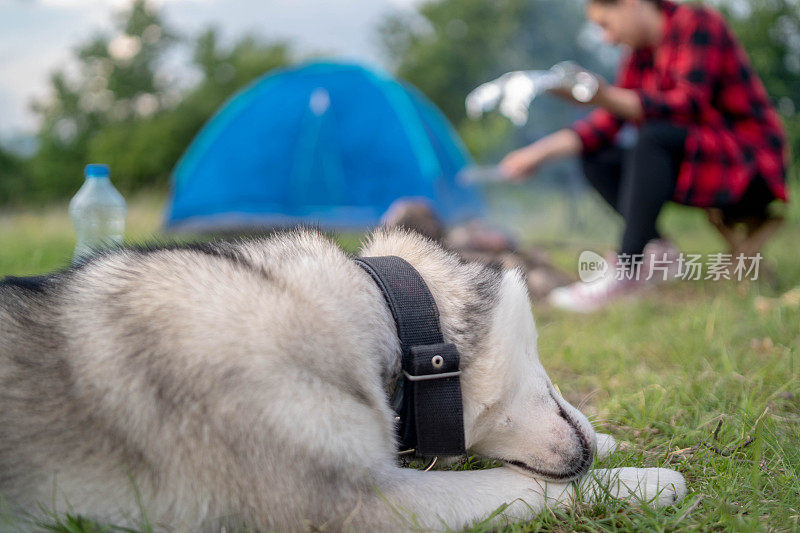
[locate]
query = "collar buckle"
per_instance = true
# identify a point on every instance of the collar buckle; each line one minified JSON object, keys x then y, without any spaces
{"x":428,"y":397}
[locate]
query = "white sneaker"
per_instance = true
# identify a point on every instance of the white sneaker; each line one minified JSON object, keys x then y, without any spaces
{"x":582,"y":297}
{"x":658,"y":263}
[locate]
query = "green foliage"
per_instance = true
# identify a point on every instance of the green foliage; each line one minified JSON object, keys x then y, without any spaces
{"x":793,"y":131}
{"x":116,"y":82}
{"x":121,"y":107}
{"x":12,"y":176}
{"x":143,"y":151}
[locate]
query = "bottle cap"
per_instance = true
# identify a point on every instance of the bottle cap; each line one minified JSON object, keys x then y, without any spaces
{"x":96,"y":171}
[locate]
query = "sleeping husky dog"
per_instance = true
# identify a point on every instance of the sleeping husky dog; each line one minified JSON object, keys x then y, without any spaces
{"x":245,"y":384}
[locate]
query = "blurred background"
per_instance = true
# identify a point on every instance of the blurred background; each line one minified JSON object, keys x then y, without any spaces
{"x":130,"y":83}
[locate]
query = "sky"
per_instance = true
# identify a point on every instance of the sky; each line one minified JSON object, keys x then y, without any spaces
{"x":37,"y":36}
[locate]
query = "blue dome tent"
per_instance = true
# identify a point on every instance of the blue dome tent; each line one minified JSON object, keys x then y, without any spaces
{"x":330,"y":144}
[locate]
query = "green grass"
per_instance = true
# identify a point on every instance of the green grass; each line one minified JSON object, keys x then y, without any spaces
{"x":690,"y":376}
{"x":34,"y":241}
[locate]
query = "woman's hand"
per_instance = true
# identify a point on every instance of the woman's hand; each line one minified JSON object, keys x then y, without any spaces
{"x":521,"y":164}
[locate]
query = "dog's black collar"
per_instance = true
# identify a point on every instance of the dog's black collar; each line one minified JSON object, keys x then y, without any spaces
{"x":427,"y":398}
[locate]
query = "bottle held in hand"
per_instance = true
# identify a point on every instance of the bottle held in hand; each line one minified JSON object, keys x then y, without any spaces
{"x":582,"y":84}
{"x":513,"y":92}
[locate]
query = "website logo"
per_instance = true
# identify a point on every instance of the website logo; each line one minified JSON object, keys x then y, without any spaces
{"x":591,"y":266}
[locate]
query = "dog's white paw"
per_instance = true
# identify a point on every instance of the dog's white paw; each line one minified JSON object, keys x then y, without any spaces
{"x":606,"y":445}
{"x":657,"y":486}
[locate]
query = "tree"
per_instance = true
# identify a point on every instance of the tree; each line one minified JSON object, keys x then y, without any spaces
{"x":121,"y":108}
{"x":143,"y":150}
{"x":117,"y":80}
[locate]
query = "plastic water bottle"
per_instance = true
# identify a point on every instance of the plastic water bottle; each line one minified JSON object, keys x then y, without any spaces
{"x":98,"y":212}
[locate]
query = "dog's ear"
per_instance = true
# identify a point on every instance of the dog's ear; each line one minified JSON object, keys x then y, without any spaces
{"x":510,"y":336}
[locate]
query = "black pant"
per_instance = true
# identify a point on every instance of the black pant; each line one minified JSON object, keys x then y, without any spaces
{"x":638,"y":182}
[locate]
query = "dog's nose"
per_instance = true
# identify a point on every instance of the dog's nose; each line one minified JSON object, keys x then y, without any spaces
{"x":583,"y":457}
{"x":583,"y":448}
{"x":569,"y":460}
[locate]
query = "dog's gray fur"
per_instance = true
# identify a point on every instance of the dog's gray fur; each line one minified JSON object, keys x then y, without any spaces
{"x":246,"y":383}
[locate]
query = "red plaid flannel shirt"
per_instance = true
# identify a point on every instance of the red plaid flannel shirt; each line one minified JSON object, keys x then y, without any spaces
{"x":701,"y":78}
